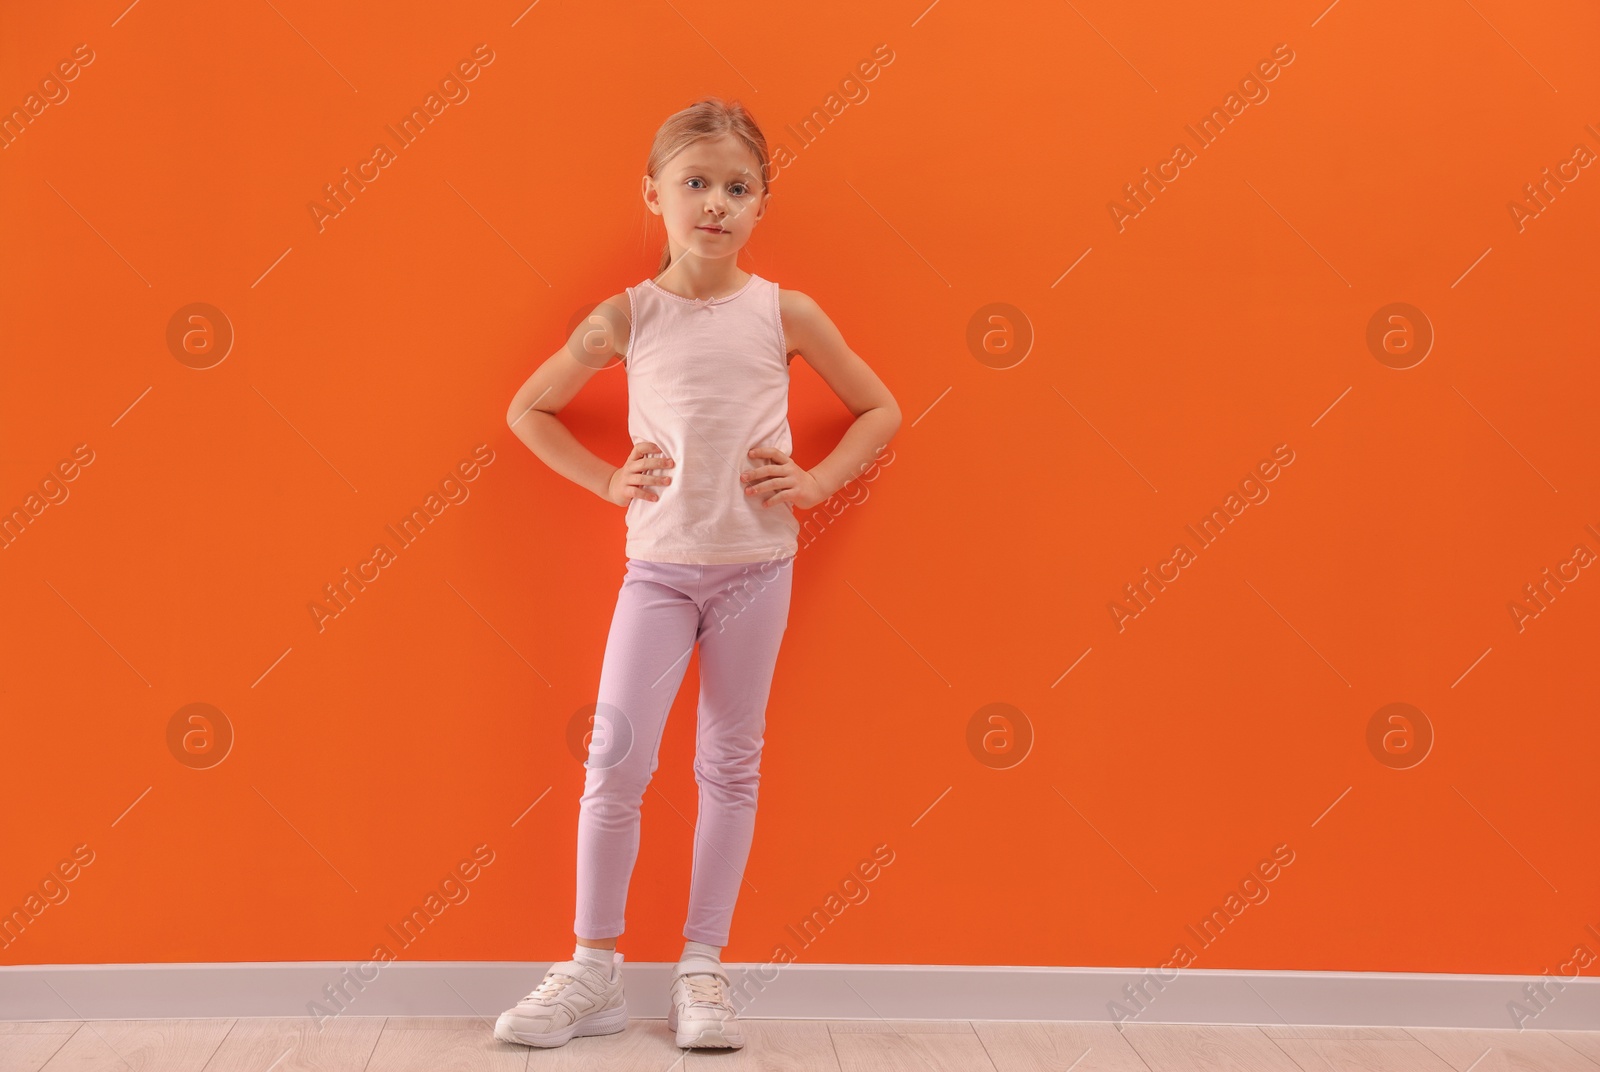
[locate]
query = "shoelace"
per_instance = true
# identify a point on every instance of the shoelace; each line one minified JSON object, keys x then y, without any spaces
{"x":549,"y":989}
{"x":705,"y":988}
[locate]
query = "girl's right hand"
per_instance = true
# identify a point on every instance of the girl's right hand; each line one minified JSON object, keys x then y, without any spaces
{"x":629,"y":481}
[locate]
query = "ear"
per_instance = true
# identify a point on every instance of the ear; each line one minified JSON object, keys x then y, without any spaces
{"x":652,"y":197}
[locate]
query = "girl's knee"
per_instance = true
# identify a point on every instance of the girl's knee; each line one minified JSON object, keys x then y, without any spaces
{"x":621,"y":785}
{"x":740,"y":771}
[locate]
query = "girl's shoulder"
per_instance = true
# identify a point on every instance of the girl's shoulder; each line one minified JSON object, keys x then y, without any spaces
{"x":798,"y":305}
{"x":802,"y":318}
{"x":609,"y":323}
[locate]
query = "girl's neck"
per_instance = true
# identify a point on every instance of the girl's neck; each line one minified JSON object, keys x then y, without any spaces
{"x":699,"y":282}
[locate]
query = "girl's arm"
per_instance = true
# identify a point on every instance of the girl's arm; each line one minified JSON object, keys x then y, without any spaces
{"x":810,"y":333}
{"x":595,"y":343}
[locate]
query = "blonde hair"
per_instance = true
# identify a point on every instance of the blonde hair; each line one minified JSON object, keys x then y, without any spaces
{"x":706,"y":118}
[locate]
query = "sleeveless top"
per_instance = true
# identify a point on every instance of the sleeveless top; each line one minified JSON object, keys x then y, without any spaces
{"x":708,"y":379}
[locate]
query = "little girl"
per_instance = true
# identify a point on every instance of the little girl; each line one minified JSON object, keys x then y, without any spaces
{"x":709,"y":491}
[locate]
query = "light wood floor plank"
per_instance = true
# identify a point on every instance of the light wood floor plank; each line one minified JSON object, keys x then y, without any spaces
{"x":1585,"y":1042}
{"x":1363,"y":1055}
{"x":466,"y":1043}
{"x":406,"y":1049}
{"x":1051,"y":1047}
{"x":1397,"y":1034}
{"x":140,"y":1046}
{"x":1204,"y":1048}
{"x":297,"y":1044}
{"x":769,"y":1046}
{"x":950,"y":1046}
{"x":901,"y":1027}
{"x":484,"y":1024}
{"x":1505,"y":1050}
{"x":27,"y":1051}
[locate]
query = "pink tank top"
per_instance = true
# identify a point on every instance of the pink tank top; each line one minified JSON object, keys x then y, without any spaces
{"x":708,"y":379}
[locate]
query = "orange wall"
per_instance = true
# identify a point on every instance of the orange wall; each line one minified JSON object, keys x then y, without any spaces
{"x":1148,"y":765}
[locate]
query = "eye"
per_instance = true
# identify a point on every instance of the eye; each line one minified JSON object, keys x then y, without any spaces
{"x":741,"y":189}
{"x":696,"y":180}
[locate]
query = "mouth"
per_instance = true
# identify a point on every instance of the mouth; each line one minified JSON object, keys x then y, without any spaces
{"x":713,"y":230}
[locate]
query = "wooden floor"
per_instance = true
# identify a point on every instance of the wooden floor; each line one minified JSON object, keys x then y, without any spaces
{"x":444,"y":1044}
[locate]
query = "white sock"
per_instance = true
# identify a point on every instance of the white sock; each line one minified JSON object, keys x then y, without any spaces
{"x":699,"y":954}
{"x":603,"y":959}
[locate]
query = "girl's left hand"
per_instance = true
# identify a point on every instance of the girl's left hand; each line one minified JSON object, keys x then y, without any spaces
{"x":782,"y":481}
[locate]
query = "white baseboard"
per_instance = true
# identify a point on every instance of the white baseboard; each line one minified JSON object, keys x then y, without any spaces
{"x":812,"y":992}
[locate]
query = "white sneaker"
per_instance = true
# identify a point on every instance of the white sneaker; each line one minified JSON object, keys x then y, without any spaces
{"x":701,"y":1013}
{"x":574,"y":999}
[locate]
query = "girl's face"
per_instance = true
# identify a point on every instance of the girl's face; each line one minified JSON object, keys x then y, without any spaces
{"x":709,"y":196}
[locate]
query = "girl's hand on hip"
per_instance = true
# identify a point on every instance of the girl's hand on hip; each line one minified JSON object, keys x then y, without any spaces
{"x":628,"y":482}
{"x":782,"y":481}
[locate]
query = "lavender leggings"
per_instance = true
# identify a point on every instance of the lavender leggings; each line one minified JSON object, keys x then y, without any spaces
{"x":737,"y":612}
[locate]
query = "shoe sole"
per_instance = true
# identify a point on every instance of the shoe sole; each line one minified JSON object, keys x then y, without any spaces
{"x":606,"y":1023}
{"x":710,"y":1037}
